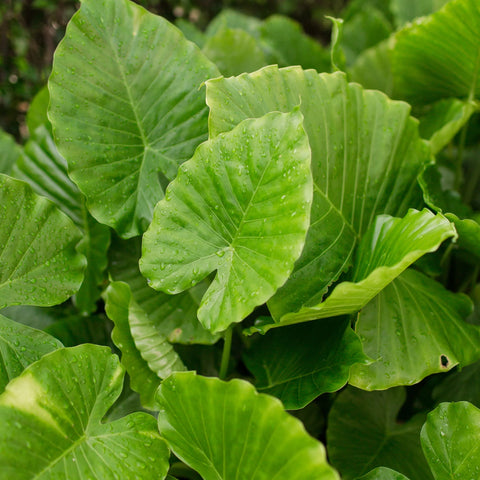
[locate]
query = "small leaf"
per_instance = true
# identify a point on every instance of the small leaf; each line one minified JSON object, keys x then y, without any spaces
{"x":10,"y":152}
{"x":229,"y":18}
{"x":414,"y":328}
{"x":241,"y":206}
{"x":451,"y":441}
{"x":382,"y":473}
{"x":439,"y":56}
{"x":37,"y":111}
{"x":125,"y":103}
{"x":38,"y":261}
{"x":146,"y":354}
{"x":337,"y":55}
{"x":363,"y":433}
{"x":226,"y":430}
{"x":297,"y":364}
{"x":19,"y":347}
{"x":234,"y":51}
{"x":51,"y":422}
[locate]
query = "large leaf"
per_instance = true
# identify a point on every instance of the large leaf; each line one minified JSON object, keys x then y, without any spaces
{"x":234,"y":51}
{"x":174,"y":316}
{"x":439,"y":56}
{"x":298,"y":363}
{"x":366,"y":155}
{"x":146,"y":354}
{"x":413,"y":328}
{"x":38,"y":261}
{"x":227,"y":431}
{"x":51,"y":422}
{"x":19,"y":347}
{"x":388,"y":247}
{"x":363,"y":433}
{"x":45,"y":170}
{"x":451,"y":441}
{"x":241,"y":206}
{"x":10,"y":151}
{"x":125,"y":103}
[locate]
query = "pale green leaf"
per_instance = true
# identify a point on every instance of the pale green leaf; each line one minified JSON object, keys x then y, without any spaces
{"x":19,"y":347}
{"x":241,"y":206}
{"x":146,"y":354}
{"x":414,"y":328}
{"x":366,"y":156}
{"x":451,"y":441}
{"x":125,"y":104}
{"x":439,"y":56}
{"x":38,"y":261}
{"x":234,"y":51}
{"x":174,"y":316}
{"x":227,"y":431}
{"x":10,"y":152}
{"x":337,"y":54}
{"x":363,"y":433}
{"x":37,"y":111}
{"x":51,"y":422}
{"x":229,"y":18}
{"x":297,"y":364}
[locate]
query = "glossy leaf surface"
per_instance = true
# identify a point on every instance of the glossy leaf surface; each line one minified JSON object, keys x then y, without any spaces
{"x":146,"y":354}
{"x":366,"y":155}
{"x":51,"y":422}
{"x":38,"y":261}
{"x":227,"y":431}
{"x":439,"y":56}
{"x":19,"y":347}
{"x":414,"y":328}
{"x":125,"y":103}
{"x":241,"y":206}
{"x":451,"y":441}
{"x":363,"y":434}
{"x":298,"y":363}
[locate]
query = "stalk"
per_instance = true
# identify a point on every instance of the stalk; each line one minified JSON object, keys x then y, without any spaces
{"x":227,"y":347}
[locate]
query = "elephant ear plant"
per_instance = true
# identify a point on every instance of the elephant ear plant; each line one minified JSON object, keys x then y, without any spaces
{"x":248,"y":234}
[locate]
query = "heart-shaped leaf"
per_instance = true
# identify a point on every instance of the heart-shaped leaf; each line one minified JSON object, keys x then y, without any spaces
{"x":19,"y":347}
{"x":439,"y":56}
{"x":413,"y":328}
{"x":298,"y":363}
{"x":241,"y":206}
{"x":226,"y":430}
{"x":363,"y":433}
{"x":146,"y":354}
{"x":366,"y":156}
{"x":51,"y":422}
{"x":38,"y":261}
{"x":125,"y":102}
{"x":451,"y":441}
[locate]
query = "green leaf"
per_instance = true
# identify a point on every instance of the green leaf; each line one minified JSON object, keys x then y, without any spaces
{"x":363,"y":433}
{"x":37,"y":112}
{"x":226,"y":430}
{"x":382,"y":473}
{"x":234,"y":51}
{"x":287,"y":44}
{"x":451,"y":441}
{"x":191,"y":31}
{"x":10,"y":152}
{"x":125,"y":103}
{"x":407,"y":10}
{"x":414,"y":328}
{"x":388,"y":247}
{"x":241,"y":206}
{"x":51,"y":422}
{"x":19,"y":347}
{"x":444,"y":121}
{"x":45,"y":170}
{"x":39,"y":264}
{"x":337,"y":55}
{"x":373,"y":69}
{"x":364,"y":146}
{"x":146,"y":354}
{"x":229,"y":18}
{"x":174,"y":316}
{"x":439,"y":56}
{"x":297,"y":364}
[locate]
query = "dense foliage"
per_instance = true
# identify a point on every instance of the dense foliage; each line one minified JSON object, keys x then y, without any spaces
{"x":253,"y":223}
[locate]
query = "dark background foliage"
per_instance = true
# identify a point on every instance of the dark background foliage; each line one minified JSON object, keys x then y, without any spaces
{"x":31,"y":29}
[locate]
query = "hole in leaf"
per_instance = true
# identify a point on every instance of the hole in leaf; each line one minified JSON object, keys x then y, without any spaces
{"x":444,"y":361}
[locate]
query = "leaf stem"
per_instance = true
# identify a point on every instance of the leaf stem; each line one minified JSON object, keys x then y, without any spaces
{"x":227,"y":346}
